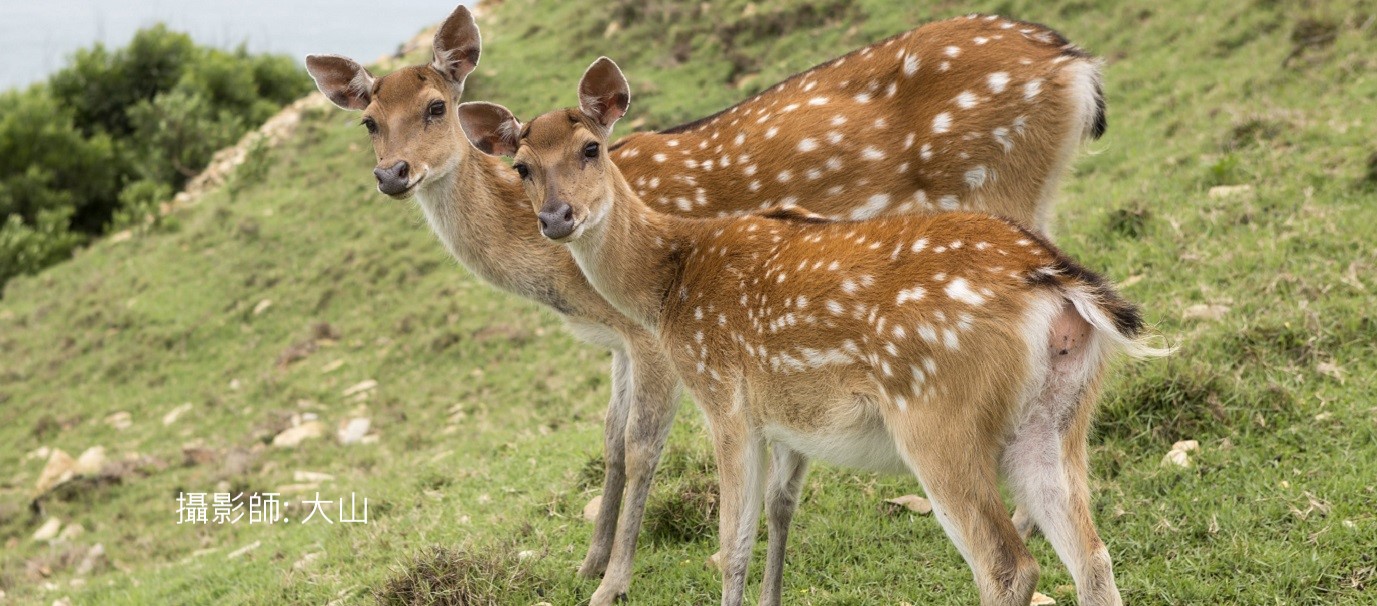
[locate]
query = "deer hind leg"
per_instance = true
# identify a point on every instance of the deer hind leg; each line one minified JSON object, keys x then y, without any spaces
{"x":654,"y":402}
{"x":614,"y":468}
{"x":962,"y":481}
{"x":1046,"y":461}
{"x":788,"y":468}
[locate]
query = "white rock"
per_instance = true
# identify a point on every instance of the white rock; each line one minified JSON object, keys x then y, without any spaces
{"x":590,"y":511}
{"x":94,"y":556}
{"x":171,"y":416}
{"x":360,"y":387}
{"x":293,"y":436}
{"x":90,"y":461}
{"x":1186,"y":445}
{"x":48,"y":530}
{"x":311,"y":476}
{"x":913,"y":503}
{"x":120,"y":420}
{"x":70,"y":532}
{"x":525,"y":554}
{"x":262,"y":306}
{"x":1041,"y":600}
{"x":56,"y":471}
{"x":1178,"y":458}
{"x":354,"y":430}
{"x":1229,"y":191}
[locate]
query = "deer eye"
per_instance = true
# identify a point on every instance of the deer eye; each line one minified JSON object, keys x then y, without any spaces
{"x":522,"y":170}
{"x":590,"y":150}
{"x":436,"y":109}
{"x":372,"y":126}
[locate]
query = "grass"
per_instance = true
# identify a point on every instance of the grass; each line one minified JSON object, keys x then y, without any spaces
{"x":488,"y":414}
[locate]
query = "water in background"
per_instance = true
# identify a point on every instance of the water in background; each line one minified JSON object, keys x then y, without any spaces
{"x":37,"y":36}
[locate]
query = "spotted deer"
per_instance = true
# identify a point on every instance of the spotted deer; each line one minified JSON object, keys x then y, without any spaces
{"x":1022,"y":135}
{"x":957,"y":347}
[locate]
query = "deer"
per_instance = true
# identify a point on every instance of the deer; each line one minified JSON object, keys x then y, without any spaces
{"x":1023,"y":135}
{"x":958,"y":347}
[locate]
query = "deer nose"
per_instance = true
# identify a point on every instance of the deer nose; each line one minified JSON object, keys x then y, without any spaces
{"x":394,"y":180}
{"x":556,"y":220}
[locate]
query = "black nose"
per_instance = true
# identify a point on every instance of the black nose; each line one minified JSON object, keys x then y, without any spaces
{"x":393,"y":180}
{"x":556,"y":220}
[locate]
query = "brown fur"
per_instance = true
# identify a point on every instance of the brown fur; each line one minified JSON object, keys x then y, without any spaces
{"x":473,"y":202}
{"x":933,"y":336}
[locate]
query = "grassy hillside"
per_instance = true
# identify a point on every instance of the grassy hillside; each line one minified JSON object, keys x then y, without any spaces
{"x":274,"y":300}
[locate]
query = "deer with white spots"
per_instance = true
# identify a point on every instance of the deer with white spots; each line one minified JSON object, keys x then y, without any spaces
{"x":867,"y":149}
{"x":957,"y":347}
{"x":976,"y":113}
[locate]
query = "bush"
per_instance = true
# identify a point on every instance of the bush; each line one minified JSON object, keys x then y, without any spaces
{"x":114,"y":133}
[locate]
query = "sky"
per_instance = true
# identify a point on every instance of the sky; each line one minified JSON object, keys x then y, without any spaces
{"x":37,"y":36}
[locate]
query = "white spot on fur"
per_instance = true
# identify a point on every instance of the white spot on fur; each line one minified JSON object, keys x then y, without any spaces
{"x":870,"y":153}
{"x":966,"y":100}
{"x":960,"y":290}
{"x":941,"y":123}
{"x":952,"y":51}
{"x":872,"y":207}
{"x":975,"y":177}
{"x":912,"y":294}
{"x":1032,"y":88}
{"x":998,"y":81}
{"x":910,"y":65}
{"x":807,"y":144}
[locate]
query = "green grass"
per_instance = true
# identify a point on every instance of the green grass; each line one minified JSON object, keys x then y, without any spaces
{"x":489,"y":415}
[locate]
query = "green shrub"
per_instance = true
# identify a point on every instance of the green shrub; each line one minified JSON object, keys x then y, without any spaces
{"x":115,"y":132}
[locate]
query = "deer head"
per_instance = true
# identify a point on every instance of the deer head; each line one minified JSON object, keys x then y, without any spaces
{"x":408,"y":113}
{"x":560,"y":156}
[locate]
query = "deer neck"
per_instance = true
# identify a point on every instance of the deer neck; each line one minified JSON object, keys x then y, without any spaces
{"x":634,"y":256}
{"x":480,"y":213}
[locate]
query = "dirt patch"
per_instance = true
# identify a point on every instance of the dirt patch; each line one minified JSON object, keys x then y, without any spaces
{"x":683,"y":506}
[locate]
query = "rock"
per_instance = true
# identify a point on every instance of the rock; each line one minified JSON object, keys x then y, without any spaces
{"x":306,"y":560}
{"x":90,"y":462}
{"x":1229,"y":191}
{"x":590,"y":511}
{"x":312,"y":476}
{"x":525,"y":554}
{"x":70,"y":532}
{"x":56,"y":471}
{"x":195,"y":454}
{"x":1041,"y":600}
{"x":293,"y":436}
{"x":94,"y":558}
{"x":1186,"y":445}
{"x":42,"y":452}
{"x":1204,"y":311}
{"x":354,"y":430}
{"x":1177,"y":458}
{"x":361,"y":387}
{"x":262,"y":306}
{"x":48,"y":531}
{"x":913,"y":503}
{"x":243,"y":550}
{"x":120,"y":420}
{"x":172,"y":415}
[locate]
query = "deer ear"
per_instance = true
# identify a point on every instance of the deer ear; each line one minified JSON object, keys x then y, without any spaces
{"x":603,"y":92}
{"x":346,"y":83}
{"x":490,"y":127}
{"x":457,"y":46}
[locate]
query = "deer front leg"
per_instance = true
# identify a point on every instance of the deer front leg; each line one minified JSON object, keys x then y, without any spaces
{"x":614,"y":474}
{"x":741,"y":468}
{"x":654,"y":402}
{"x":788,"y":468}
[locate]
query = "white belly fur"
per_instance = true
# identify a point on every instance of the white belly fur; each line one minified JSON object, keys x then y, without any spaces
{"x":865,"y":446}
